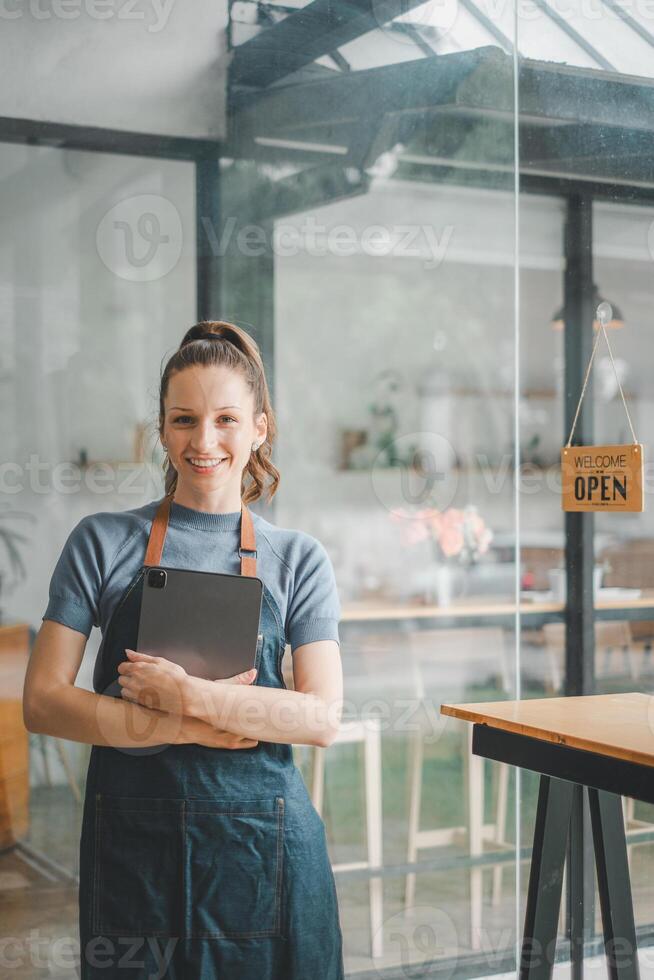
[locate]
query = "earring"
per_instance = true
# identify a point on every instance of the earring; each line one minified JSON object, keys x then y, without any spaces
{"x":255,"y":446}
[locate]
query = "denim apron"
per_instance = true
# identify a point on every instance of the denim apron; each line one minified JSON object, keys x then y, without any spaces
{"x":201,"y":863}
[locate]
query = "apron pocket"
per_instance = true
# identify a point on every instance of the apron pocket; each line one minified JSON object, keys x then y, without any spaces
{"x":234,"y":867}
{"x":137,"y":884}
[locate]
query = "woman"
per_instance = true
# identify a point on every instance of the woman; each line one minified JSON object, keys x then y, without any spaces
{"x":201,"y":855}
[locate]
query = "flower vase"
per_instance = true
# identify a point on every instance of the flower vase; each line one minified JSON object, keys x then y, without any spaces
{"x":443,"y":581}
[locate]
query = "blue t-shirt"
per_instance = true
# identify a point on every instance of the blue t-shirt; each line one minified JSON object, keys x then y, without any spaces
{"x":104,"y":551}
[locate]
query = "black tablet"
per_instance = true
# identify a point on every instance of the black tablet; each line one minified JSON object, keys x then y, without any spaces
{"x":206,"y":621}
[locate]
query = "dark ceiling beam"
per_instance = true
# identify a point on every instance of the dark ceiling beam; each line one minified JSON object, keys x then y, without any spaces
{"x":585,"y":96}
{"x":97,"y":139}
{"x":316,"y":30}
{"x":477,"y":83}
{"x":288,"y":111}
{"x":585,"y":143}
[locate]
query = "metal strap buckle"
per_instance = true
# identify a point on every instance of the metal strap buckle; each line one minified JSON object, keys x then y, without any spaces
{"x":248,"y":553}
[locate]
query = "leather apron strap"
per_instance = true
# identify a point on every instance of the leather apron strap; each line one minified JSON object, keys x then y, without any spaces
{"x":160,"y":526}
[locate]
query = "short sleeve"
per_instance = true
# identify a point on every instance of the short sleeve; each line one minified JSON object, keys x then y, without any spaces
{"x":76,"y":582}
{"x":314,"y":608}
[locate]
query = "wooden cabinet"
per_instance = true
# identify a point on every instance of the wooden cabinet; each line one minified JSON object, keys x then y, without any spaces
{"x":14,"y":737}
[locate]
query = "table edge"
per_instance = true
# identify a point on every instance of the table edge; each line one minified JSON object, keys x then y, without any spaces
{"x":573,"y":742}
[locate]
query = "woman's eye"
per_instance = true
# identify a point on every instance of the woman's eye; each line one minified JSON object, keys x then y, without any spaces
{"x":182,"y":418}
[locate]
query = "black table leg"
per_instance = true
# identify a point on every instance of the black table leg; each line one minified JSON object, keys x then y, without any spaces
{"x":546,"y":878}
{"x":614,"y":885}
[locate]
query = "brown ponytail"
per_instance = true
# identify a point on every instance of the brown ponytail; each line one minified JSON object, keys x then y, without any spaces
{"x":212,"y":342}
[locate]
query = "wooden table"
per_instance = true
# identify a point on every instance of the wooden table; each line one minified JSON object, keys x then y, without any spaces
{"x":604,"y":743}
{"x":485,"y":610}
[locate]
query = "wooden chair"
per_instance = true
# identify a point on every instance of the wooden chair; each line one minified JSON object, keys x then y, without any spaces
{"x":613,"y":643}
{"x":366,"y":732}
{"x":444,"y":663}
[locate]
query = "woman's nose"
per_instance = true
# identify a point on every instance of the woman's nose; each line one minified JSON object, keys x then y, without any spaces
{"x":204,"y":436}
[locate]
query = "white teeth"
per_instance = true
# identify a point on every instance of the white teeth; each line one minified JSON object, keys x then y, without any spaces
{"x":206,"y":463}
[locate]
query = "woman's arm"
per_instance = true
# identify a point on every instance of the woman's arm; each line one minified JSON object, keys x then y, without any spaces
{"x":308,"y":715}
{"x":52,"y":705}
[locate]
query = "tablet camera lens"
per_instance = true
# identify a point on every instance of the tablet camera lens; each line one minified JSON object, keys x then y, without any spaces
{"x":156,"y":578}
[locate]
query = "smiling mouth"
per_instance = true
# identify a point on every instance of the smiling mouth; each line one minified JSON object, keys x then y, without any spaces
{"x":206,"y":465}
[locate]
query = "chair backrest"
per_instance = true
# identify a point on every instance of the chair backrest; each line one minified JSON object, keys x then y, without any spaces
{"x":610,"y":637}
{"x":614,"y":634}
{"x":447,"y":662}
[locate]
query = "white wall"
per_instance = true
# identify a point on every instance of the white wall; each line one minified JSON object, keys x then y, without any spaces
{"x":151,"y":66}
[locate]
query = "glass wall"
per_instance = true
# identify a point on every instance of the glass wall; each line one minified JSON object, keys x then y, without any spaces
{"x":585,"y":123}
{"x":97,"y":277}
{"x":381,"y":203}
{"x":624,"y":543}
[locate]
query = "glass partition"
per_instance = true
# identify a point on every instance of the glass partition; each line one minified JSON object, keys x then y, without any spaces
{"x":372,"y":229}
{"x":97,"y":277}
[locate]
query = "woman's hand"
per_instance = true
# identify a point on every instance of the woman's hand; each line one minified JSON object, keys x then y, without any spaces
{"x":155,"y":682}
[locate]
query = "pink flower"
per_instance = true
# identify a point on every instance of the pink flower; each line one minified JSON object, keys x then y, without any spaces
{"x":416,"y":532}
{"x":451,"y":541}
{"x":413,"y":529}
{"x":436,"y":524}
{"x":453,"y":517}
{"x":453,"y":532}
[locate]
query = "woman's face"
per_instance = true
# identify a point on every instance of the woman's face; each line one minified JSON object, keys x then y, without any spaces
{"x":209,"y":418}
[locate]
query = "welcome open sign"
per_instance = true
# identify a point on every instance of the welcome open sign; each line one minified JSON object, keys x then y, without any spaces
{"x":602,"y":478}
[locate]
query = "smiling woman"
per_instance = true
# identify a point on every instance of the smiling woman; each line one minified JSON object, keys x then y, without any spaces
{"x":211,"y":782}
{"x":216,"y":370}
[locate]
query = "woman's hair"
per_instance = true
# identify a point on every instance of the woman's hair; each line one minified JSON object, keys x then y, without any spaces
{"x":212,"y":342}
